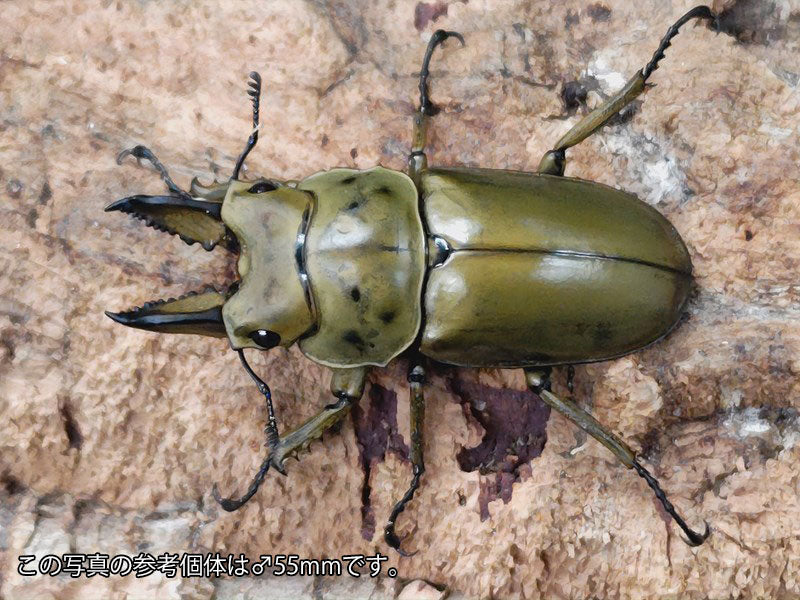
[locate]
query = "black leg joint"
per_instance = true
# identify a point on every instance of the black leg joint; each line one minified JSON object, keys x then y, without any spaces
{"x":570,"y":378}
{"x":416,"y":374}
{"x":543,"y":382}
{"x":343,"y":400}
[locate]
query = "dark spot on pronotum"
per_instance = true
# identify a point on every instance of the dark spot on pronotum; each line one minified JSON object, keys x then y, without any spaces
{"x":74,"y":437}
{"x":598,"y":12}
{"x":352,"y":206}
{"x":355,"y":294}
{"x":353,"y":153}
{"x":324,"y":141}
{"x":387,"y":316}
{"x":349,"y":180}
{"x":352,"y":337}
{"x":383,"y":190}
{"x":31,"y":218}
{"x":748,"y":235}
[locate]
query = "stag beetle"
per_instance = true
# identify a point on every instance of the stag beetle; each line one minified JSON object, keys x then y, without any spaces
{"x":468,"y":267}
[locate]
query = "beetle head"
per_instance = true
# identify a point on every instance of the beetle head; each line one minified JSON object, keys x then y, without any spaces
{"x":265,"y":221}
{"x":273,"y":303}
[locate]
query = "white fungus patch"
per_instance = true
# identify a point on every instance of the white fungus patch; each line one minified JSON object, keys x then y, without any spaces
{"x":747,"y":423}
{"x":651,"y":167}
{"x":650,"y":163}
{"x":610,"y":80}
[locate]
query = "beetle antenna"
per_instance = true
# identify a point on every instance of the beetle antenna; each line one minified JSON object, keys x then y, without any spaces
{"x":694,"y":538}
{"x":272,"y":424}
{"x":426,"y":107}
{"x":698,"y":12}
{"x":273,"y":439}
{"x":255,"y":95}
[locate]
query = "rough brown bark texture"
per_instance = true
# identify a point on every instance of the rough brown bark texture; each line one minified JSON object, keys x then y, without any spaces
{"x":111,"y":438}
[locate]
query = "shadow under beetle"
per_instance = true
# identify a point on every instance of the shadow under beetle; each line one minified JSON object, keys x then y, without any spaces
{"x":469,"y":267}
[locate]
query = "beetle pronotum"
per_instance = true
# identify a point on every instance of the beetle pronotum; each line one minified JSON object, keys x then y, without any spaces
{"x":471,"y":267}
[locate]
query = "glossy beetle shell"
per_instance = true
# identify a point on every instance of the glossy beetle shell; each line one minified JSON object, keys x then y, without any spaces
{"x":546,"y":270}
{"x":521,"y":269}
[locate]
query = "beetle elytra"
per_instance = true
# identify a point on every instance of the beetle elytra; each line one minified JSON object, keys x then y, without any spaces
{"x":469,"y":267}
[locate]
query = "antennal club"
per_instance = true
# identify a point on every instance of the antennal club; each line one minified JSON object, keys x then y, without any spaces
{"x":255,"y":95}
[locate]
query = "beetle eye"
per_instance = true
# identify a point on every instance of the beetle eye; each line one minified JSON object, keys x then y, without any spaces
{"x":265,"y":338}
{"x":261,"y":187}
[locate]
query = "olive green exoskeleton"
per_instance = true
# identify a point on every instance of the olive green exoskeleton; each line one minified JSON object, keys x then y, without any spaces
{"x":469,"y":267}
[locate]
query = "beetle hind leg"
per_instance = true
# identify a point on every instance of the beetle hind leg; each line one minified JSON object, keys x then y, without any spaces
{"x":416,"y":379}
{"x":539,"y":383}
{"x":554,"y":161}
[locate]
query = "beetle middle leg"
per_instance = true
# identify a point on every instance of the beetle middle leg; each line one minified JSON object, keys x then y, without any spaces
{"x":416,"y":379}
{"x":554,"y":161}
{"x":538,"y":381}
{"x":346,"y":384}
{"x":580,"y":434}
{"x":417,"y":161}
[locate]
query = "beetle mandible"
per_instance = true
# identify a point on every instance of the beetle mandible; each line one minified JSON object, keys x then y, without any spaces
{"x":469,"y":267}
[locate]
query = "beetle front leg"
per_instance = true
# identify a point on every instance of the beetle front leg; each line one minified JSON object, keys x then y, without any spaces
{"x":554,"y":161}
{"x":348,"y":387}
{"x":416,"y":379}
{"x":143,"y":152}
{"x":539,"y":382}
{"x":417,"y":160}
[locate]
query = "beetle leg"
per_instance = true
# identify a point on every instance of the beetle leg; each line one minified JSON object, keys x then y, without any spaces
{"x":539,"y":383}
{"x":272,"y":424}
{"x":580,"y":434}
{"x":346,"y":384}
{"x":554,"y":161}
{"x":416,"y":378}
{"x":417,"y":161}
{"x":143,"y":152}
{"x":570,"y":378}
